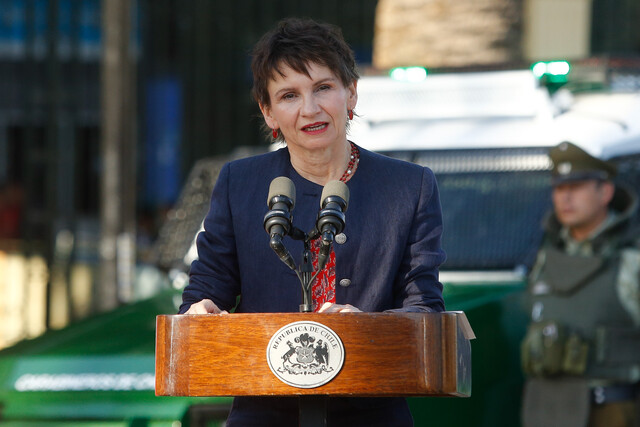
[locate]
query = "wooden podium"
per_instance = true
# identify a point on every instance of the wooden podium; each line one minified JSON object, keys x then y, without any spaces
{"x":385,"y":354}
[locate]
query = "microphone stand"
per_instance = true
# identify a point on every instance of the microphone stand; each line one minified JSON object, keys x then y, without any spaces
{"x":312,"y":410}
{"x":306,"y":277}
{"x":305,"y":272}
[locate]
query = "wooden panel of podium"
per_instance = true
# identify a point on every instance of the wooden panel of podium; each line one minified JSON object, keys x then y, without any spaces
{"x":384,"y":354}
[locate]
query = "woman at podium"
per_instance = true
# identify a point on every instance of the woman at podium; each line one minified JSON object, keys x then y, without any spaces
{"x":386,"y":257}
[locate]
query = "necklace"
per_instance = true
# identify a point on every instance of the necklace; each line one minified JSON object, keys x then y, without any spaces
{"x":353,"y":163}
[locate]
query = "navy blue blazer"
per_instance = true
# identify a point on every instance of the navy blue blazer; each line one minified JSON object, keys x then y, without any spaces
{"x":391,"y":255}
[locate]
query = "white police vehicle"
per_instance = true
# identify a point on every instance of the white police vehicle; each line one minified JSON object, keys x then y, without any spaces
{"x":486,"y":136}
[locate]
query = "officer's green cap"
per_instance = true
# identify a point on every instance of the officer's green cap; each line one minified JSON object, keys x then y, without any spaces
{"x":572,"y":163}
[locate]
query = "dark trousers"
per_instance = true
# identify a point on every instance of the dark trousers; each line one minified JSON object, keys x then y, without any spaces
{"x":570,"y":402}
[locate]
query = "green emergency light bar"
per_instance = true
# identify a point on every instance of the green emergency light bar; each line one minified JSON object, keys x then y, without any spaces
{"x":408,"y":74}
{"x":552,"y":71}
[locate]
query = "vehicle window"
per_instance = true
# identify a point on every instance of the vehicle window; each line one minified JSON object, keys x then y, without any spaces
{"x":493,"y":204}
{"x":493,"y":220}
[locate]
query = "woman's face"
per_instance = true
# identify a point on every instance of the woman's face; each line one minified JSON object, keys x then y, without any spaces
{"x":310,"y":111}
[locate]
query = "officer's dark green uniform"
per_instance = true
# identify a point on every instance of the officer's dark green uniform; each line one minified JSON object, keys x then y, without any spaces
{"x":581,"y":354}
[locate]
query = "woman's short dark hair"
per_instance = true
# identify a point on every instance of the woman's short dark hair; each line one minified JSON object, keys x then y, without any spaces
{"x":298,"y":42}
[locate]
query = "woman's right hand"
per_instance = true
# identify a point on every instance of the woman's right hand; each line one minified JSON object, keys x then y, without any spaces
{"x":206,"y":306}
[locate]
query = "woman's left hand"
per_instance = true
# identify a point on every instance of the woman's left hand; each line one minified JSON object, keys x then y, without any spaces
{"x":329,"y":307}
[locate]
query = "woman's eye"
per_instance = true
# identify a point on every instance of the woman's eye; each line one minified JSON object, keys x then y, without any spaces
{"x":324,"y":87}
{"x":288,"y":96}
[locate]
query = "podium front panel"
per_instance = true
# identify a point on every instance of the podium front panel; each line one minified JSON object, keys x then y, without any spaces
{"x":385,"y":354}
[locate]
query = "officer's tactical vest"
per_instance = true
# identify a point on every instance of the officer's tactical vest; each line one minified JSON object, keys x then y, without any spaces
{"x":580,"y":326}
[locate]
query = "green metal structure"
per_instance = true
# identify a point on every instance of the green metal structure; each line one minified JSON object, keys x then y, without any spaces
{"x":97,"y":372}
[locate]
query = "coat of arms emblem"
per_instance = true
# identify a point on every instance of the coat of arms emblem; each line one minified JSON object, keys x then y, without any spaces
{"x":305,"y":354}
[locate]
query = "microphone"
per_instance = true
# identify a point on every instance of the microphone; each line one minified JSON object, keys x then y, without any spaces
{"x":281,"y":201}
{"x":331,"y":219}
{"x":277,"y":221}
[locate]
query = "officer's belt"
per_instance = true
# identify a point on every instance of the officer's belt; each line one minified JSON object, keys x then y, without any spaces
{"x":614,"y":393}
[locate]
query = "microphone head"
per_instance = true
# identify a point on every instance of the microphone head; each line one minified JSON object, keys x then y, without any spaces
{"x":282,"y":186}
{"x":335,"y":188}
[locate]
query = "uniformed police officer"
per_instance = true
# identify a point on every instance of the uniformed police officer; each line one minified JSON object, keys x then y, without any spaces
{"x":581,"y":354}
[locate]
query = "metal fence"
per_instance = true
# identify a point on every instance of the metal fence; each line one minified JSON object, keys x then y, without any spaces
{"x":207,"y":45}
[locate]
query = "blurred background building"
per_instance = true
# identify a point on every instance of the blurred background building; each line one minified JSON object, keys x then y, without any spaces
{"x":106,"y":106}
